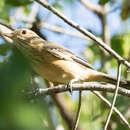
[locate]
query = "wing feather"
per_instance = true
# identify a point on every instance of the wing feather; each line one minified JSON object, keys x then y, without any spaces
{"x":63,"y":53}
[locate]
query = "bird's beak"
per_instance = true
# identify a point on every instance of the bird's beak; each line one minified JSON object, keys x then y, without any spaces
{"x":9,"y":35}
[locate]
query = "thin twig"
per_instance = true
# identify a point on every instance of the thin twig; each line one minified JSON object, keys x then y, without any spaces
{"x":32,"y":15}
{"x":5,"y":28}
{"x":78,"y":111}
{"x":119,"y":114}
{"x":84,"y":31}
{"x":6,"y":25}
{"x":115,"y":96}
{"x":93,"y":7}
{"x":101,"y":12}
{"x":61,"y":30}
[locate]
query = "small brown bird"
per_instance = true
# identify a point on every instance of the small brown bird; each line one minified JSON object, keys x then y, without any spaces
{"x":56,"y":63}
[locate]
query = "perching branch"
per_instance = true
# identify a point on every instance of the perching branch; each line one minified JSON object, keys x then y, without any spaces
{"x":52,"y":91}
{"x":84,"y":31}
{"x":115,"y":96}
{"x":85,"y":86}
{"x":62,"y":107}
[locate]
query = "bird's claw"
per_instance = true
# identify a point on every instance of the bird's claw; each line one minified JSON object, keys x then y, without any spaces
{"x":69,"y":86}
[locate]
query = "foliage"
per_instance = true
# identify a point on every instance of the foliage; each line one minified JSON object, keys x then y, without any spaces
{"x":21,"y":108}
{"x":18,"y":2}
{"x":16,"y":107}
{"x":103,"y":2}
{"x":125,"y":13}
{"x":123,"y":43}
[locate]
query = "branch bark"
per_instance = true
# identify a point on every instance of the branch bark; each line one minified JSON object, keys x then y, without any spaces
{"x":65,"y":114}
{"x":85,"y":86}
{"x":61,"y":30}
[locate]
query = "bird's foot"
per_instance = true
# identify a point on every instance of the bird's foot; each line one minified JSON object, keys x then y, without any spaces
{"x":69,"y":86}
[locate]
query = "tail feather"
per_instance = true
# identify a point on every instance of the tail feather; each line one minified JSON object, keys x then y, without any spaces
{"x":113,"y":80}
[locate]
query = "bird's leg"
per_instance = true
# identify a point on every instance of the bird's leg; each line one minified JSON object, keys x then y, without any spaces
{"x":71,"y":82}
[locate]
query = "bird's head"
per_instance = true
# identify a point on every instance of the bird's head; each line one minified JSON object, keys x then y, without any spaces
{"x":27,"y":41}
{"x":25,"y":38}
{"x":21,"y":34}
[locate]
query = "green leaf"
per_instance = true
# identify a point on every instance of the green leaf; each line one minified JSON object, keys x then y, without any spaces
{"x":103,"y":2}
{"x":3,"y":49}
{"x":18,"y":2}
{"x":68,"y":1}
{"x":121,"y":44}
{"x":1,"y":4}
{"x":126,"y":45}
{"x":26,"y":9}
{"x":57,"y":6}
{"x":116,"y":44}
{"x":90,"y":51}
{"x":4,"y":12}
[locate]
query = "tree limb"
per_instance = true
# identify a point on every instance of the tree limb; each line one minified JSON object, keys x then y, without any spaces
{"x":85,"y":86}
{"x":52,"y":91}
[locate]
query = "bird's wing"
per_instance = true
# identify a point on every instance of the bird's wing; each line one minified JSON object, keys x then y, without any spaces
{"x":63,"y":53}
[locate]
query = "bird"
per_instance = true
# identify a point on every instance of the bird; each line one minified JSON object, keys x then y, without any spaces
{"x":56,"y":63}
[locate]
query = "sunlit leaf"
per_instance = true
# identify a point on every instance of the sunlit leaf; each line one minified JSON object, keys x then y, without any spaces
{"x":26,"y":9}
{"x":121,"y":44}
{"x":1,"y":4}
{"x":103,"y":2}
{"x":90,"y":52}
{"x":18,"y":2}
{"x":57,"y":6}
{"x":69,"y":1}
{"x":4,"y":12}
{"x":91,"y":109}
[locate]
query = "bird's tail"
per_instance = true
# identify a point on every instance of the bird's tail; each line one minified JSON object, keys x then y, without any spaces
{"x":112,"y":80}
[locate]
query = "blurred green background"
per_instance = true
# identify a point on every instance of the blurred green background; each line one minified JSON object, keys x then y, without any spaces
{"x":20,"y":107}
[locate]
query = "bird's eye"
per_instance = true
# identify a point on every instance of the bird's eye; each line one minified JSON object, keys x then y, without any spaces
{"x":24,"y":32}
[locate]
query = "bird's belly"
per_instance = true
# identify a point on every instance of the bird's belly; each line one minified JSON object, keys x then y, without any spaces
{"x":62,"y":71}
{"x":57,"y":71}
